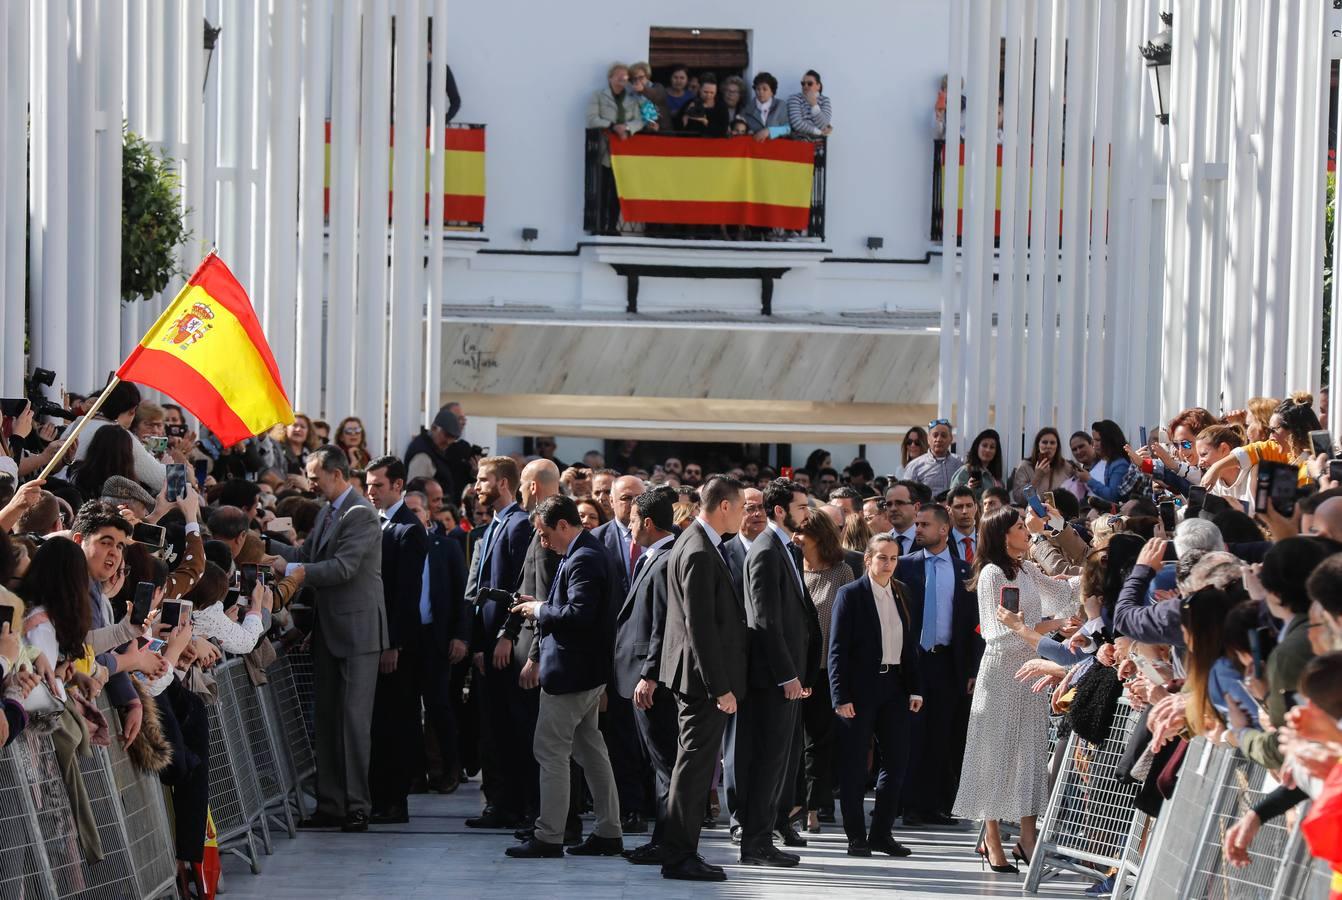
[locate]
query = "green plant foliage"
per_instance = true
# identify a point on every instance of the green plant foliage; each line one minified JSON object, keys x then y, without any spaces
{"x":152,"y":220}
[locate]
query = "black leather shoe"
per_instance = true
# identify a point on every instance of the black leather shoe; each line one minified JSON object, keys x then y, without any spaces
{"x":914,"y":820}
{"x":595,"y":845}
{"x":710,"y":820}
{"x":392,"y":815}
{"x":937,"y":818}
{"x":762,"y":857}
{"x":321,"y":820}
{"x":889,"y":846}
{"x":791,"y":837}
{"x":534,"y":849}
{"x":826,"y":816}
{"x":572,"y":832}
{"x":634,"y":824}
{"x":355,"y":823}
{"x":693,"y":868}
{"x":647,"y":855}
{"x":783,"y":853}
{"x":736,"y":834}
{"x":493,"y":818}
{"x":857,"y":848}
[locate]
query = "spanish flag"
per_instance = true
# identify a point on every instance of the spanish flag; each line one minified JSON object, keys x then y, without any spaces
{"x":208,"y":353}
{"x":714,"y":181}
{"x":464,"y":176}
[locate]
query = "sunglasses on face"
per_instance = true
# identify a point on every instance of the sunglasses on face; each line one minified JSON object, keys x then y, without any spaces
{"x":808,"y":84}
{"x":1186,"y":445}
{"x":352,"y":429}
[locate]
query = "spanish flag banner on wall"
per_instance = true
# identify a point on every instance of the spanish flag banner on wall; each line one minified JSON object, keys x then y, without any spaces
{"x":714,"y":181}
{"x":207,"y":352}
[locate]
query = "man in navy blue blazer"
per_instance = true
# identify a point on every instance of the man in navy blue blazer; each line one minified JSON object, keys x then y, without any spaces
{"x":875,"y":683}
{"x":497,"y":563}
{"x":575,"y":664}
{"x":944,"y":621}
{"x":617,"y":722}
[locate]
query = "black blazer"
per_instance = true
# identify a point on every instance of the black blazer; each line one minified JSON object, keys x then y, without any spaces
{"x":855,"y":644}
{"x":575,"y":640}
{"x":447,"y":593}
{"x":640,"y":624}
{"x":776,"y":614}
{"x":704,"y":647}
{"x":404,"y":545}
{"x":736,"y":555}
{"x":966,"y":644}
{"x":609,"y":536}
{"x":501,"y":568}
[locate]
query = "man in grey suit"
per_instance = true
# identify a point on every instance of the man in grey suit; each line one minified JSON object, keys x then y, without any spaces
{"x":342,"y":560}
{"x":704,"y":665}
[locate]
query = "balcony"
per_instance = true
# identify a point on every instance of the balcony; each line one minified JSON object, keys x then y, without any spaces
{"x":693,"y":188}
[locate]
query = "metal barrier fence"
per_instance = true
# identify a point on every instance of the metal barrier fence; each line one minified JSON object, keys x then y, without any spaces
{"x":1215,"y":787}
{"x":253,"y":731}
{"x":1090,"y":826}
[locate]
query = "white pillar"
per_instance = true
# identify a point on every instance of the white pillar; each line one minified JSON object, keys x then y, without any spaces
{"x":281,"y":180}
{"x":306,"y":378}
{"x":433,"y":325}
{"x":344,"y":192}
{"x":14,"y":104}
{"x":950,"y":196}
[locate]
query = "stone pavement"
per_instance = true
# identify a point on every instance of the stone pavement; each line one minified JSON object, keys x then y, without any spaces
{"x":436,"y":856}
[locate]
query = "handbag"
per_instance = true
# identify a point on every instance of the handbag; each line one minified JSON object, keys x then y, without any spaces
{"x":42,"y":706}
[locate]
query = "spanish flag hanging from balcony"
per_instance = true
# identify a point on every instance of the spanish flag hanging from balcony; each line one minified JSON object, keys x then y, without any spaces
{"x":208,"y":353}
{"x":714,"y":181}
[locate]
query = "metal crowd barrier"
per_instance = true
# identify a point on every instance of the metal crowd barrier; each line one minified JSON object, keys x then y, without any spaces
{"x":1216,"y":786}
{"x":1090,"y":826}
{"x":260,"y":758}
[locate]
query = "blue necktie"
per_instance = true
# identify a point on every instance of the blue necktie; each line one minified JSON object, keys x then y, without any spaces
{"x":929,"y":635}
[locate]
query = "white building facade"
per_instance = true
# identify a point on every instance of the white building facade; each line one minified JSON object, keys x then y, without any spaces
{"x":843,"y":336}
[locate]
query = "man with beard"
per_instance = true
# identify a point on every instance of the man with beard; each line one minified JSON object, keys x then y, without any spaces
{"x":776,"y":609}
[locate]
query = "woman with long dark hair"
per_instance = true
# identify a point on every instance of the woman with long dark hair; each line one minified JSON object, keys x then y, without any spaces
{"x":1045,"y":468}
{"x":983,"y":464}
{"x":1290,"y":425}
{"x":1005,"y":772}
{"x":1112,"y":463}
{"x":111,"y":452}
{"x":56,"y":589}
{"x":913,"y":446}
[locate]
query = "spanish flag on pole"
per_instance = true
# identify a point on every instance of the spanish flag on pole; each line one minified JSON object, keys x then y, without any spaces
{"x":208,"y":353}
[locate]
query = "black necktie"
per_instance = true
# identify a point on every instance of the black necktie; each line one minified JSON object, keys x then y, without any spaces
{"x":722,"y":549}
{"x":901,"y":539}
{"x":638,"y":567}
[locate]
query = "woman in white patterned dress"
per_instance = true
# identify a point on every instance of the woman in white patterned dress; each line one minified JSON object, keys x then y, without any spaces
{"x":1005,"y":775}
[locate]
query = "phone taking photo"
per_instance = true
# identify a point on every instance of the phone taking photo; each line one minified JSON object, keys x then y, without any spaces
{"x":144,"y":598}
{"x":176,"y":482}
{"x":175,"y":612}
{"x":149,"y":535}
{"x":1010,"y":599}
{"x":1032,"y":498}
{"x":1321,"y":442}
{"x":1167,"y":513}
{"x":1141,"y":435}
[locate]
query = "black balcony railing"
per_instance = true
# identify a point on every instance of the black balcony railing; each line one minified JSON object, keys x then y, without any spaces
{"x":601,"y":204}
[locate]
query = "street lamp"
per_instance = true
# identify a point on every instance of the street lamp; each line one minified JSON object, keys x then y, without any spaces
{"x":1157,"y":55}
{"x":211,"y":35}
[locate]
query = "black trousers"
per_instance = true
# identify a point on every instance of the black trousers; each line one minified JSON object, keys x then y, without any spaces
{"x":186,"y":725}
{"x":433,"y":693}
{"x":626,"y":756}
{"x":416,"y":693}
{"x":729,"y":769}
{"x":698,"y":744}
{"x":657,"y":733}
{"x":765,"y":731}
{"x":934,"y":767}
{"x":815,"y":787}
{"x":512,"y":726}
{"x":885,"y":716}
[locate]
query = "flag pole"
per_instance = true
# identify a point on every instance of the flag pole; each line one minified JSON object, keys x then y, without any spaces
{"x":70,"y":438}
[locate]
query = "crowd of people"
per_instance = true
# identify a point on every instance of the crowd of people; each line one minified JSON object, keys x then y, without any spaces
{"x":677,"y":644}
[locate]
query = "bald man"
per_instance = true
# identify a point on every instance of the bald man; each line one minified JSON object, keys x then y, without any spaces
{"x":1328,"y":519}
{"x":617,"y":723}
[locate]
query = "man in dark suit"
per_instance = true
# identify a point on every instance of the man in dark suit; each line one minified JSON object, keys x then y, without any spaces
{"x":444,"y":640}
{"x":396,"y":711}
{"x":964,"y":509}
{"x":617,"y":722}
{"x":575,"y":663}
{"x":704,"y":665}
{"x":775,"y":601}
{"x":944,"y":616}
{"x":342,"y":560}
{"x":640,"y":625}
{"x":497,"y":563}
{"x":754,"y":522}
{"x":875,"y":682}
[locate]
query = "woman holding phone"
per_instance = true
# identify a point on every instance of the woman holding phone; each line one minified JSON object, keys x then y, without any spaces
{"x":1005,"y":773}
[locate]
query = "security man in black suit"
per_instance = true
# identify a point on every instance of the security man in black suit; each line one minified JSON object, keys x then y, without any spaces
{"x":776,"y":613}
{"x":704,"y":665}
{"x":753,"y":523}
{"x":396,"y":730}
{"x":640,"y":625}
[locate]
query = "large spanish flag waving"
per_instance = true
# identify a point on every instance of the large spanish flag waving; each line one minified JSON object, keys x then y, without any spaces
{"x":714,"y":181}
{"x":208,"y":353}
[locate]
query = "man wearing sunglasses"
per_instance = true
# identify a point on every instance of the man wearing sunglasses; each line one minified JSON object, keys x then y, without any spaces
{"x":938,"y":465}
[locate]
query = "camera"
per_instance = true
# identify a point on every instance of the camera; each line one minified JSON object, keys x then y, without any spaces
{"x":512,"y":626}
{"x":34,"y":386}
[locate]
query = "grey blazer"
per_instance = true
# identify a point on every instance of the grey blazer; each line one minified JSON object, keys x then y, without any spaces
{"x":343,"y":562}
{"x":751,"y":113}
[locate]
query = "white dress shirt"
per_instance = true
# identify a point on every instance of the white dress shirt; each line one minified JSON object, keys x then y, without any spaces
{"x":892,"y":630}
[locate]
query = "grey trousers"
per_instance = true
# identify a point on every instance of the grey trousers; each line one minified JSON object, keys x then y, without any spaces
{"x":344,"y":712}
{"x":566,"y":726}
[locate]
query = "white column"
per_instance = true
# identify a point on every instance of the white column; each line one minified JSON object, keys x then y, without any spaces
{"x":1276,"y":300}
{"x":306,"y":384}
{"x":281,"y":180}
{"x":14,"y":99}
{"x":343,"y":256}
{"x":1013,"y":252}
{"x":1305,"y":343}
{"x":107,"y":185}
{"x":1270,"y":30}
{"x":976,"y":284}
{"x":1036,"y":412}
{"x":950,"y":195}
{"x":1108,"y":43}
{"x":407,"y":246}
{"x":1244,"y":161}
{"x":371,"y":360}
{"x":433,"y":326}
{"x":1047,"y":410}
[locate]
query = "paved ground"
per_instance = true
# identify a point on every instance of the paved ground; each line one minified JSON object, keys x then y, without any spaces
{"x":437,"y":856}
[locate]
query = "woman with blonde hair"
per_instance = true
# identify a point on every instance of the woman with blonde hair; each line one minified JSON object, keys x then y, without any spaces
{"x":856,"y":533}
{"x":353,"y":439}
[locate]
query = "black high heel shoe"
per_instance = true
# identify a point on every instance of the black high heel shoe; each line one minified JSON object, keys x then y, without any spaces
{"x":1007,"y":869}
{"x":1018,"y":853}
